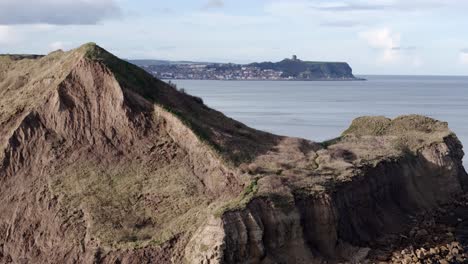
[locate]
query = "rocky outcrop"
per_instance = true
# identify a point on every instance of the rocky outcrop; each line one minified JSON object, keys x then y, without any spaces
{"x":341,"y":221}
{"x":101,"y":163}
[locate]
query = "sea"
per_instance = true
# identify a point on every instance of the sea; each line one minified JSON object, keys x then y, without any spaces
{"x":321,"y":110}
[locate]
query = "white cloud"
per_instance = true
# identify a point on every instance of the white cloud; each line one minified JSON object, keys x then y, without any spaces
{"x":464,"y":57}
{"x":357,"y":12}
{"x":59,"y":45}
{"x":381,"y":38}
{"x":222,"y":20}
{"x":7,"y":35}
{"x":368,"y":5}
{"x":214,"y":4}
{"x":388,"y":45}
{"x":417,"y":62}
{"x":385,"y":41}
{"x":42,"y":27}
{"x":56,"y":12}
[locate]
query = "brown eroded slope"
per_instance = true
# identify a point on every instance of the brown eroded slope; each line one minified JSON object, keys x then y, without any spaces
{"x":97,"y":161}
{"x":102,"y":163}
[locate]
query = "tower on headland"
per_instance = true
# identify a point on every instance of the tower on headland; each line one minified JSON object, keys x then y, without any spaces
{"x":294,"y":57}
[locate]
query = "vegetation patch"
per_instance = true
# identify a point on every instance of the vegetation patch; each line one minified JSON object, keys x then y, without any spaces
{"x":330,"y":142}
{"x":368,"y":126}
{"x":127,"y":74}
{"x":379,"y":126}
{"x":283,"y":202}
{"x":133,"y":206}
{"x":204,"y":248}
{"x":241,"y":201}
{"x":201,"y":133}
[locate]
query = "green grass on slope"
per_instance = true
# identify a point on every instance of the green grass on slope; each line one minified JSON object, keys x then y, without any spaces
{"x":131,"y":206}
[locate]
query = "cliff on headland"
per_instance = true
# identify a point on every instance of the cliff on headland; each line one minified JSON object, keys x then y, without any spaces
{"x":308,"y":70}
{"x":102,"y":163}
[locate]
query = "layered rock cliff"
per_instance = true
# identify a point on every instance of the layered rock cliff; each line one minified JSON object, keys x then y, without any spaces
{"x":332,"y":203}
{"x":102,"y":163}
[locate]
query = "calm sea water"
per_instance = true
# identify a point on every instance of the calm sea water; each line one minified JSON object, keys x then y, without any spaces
{"x":322,"y":110}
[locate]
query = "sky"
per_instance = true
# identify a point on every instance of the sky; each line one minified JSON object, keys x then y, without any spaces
{"x":410,"y":37}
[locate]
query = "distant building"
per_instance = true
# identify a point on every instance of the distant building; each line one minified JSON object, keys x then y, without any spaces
{"x":294,"y":58}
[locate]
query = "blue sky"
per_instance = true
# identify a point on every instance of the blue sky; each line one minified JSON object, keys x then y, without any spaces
{"x":374,"y":36}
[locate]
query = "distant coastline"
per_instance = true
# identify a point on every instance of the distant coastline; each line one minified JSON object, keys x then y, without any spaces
{"x":267,"y":80}
{"x":292,"y":69}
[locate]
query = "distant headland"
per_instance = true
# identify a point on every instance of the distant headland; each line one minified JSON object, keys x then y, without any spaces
{"x":287,"y":69}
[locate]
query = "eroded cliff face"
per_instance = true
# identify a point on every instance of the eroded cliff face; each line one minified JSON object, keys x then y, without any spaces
{"x":101,"y":163}
{"x":340,"y":221}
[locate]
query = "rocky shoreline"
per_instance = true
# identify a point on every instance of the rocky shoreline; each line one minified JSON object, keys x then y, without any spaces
{"x":440,"y":236}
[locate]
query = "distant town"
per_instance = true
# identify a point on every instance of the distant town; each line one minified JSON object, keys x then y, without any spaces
{"x":214,"y":72}
{"x":288,"y":69}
